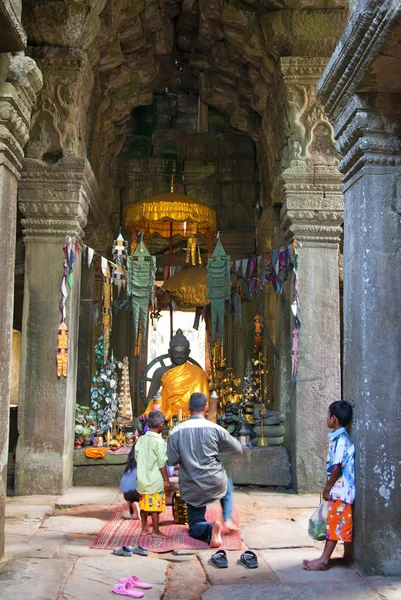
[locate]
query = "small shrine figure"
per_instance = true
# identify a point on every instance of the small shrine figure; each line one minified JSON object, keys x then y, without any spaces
{"x":124,"y":404}
{"x":120,"y":256}
{"x":258,"y":335}
{"x":62,"y":350}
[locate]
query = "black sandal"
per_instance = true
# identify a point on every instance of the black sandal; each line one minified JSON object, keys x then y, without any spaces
{"x":249,"y":559}
{"x":219,"y":559}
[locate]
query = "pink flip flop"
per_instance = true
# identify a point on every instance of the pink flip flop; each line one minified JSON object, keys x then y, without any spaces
{"x":136,"y":582}
{"x":125,"y":588}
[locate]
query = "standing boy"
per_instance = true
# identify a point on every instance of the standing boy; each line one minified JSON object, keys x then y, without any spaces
{"x":152,"y":478}
{"x":340,"y":485}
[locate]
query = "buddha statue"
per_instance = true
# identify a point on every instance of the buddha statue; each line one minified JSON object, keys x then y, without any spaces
{"x":178,"y":380}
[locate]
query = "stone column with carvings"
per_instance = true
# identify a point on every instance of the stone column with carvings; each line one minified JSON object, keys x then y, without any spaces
{"x":361,"y":88}
{"x":17,"y":95}
{"x":309,"y":190}
{"x":55,"y":201}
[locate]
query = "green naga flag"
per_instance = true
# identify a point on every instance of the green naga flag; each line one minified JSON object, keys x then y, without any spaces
{"x":141,"y":286}
{"x":218,"y":287}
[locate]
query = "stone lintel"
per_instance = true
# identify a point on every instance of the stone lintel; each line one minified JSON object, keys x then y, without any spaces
{"x":13,"y":36}
{"x":312,"y":204}
{"x":302,"y":69}
{"x":55,"y":199}
{"x":367,"y":132}
{"x":370,"y":26}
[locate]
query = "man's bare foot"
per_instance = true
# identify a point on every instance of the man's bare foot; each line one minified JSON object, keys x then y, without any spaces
{"x":229,"y":525}
{"x":146,"y":531}
{"x":135,"y":511}
{"x":216,"y":540}
{"x":316,"y":565}
{"x":158,"y":534}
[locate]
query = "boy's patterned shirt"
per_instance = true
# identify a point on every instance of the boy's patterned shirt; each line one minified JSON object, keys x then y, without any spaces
{"x":151,"y":456}
{"x":342,"y":452}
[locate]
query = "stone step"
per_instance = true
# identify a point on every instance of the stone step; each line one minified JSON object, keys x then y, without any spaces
{"x":272,"y":441}
{"x":270,"y":430}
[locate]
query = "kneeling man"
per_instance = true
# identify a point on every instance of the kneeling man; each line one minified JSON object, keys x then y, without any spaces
{"x":196,"y":445}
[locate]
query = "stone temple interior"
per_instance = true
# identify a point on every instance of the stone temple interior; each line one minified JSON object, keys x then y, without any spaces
{"x":272,"y":112}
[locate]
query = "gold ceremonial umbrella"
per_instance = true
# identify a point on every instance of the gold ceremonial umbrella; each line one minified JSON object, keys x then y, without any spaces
{"x":171,"y":214}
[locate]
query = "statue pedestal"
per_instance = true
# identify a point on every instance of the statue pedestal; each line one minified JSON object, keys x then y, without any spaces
{"x":268,"y":465}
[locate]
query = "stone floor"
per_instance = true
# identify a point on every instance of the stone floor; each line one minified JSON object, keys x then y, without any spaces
{"x":48,"y":555}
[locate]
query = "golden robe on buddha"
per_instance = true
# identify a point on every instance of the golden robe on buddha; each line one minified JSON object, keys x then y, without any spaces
{"x":178,"y":384}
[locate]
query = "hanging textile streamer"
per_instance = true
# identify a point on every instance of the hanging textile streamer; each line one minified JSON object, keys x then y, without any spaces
{"x":292,"y":250}
{"x":67,"y":279}
{"x":218,"y":287}
{"x":141,"y":285}
{"x":237,"y":310}
{"x":119,"y":255}
{"x":107,"y":305}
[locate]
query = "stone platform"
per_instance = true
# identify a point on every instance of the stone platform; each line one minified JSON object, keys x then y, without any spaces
{"x":259,"y":466}
{"x":268,"y":466}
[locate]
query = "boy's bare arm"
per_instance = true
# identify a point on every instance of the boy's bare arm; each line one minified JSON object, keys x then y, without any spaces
{"x":335,"y":474}
{"x":164,"y":473}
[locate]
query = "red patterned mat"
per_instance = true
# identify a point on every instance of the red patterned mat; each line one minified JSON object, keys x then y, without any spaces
{"x":119,"y":532}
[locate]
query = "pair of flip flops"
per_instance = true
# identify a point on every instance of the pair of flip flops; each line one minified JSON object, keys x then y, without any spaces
{"x":127,"y":551}
{"x":131,"y":586}
{"x":248,"y":559}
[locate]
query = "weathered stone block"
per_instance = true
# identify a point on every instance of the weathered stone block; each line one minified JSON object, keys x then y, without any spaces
{"x":164,"y":38}
{"x":188,"y":124}
{"x":238,"y":243}
{"x":136,"y":170}
{"x":163,"y":122}
{"x":162,"y":186}
{"x":169,"y":141}
{"x":98,"y":475}
{"x":259,"y":466}
{"x":133,"y":37}
{"x":167,"y":104}
{"x":187,"y":105}
{"x":238,"y":193}
{"x":234,"y":217}
{"x":151,"y":18}
{"x":235,"y":169}
{"x":232,"y":145}
{"x":199,"y":170}
{"x":209,"y":194}
{"x":202,"y":145}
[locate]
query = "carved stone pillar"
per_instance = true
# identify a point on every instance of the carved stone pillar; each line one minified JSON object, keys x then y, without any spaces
{"x":314,"y":222}
{"x":16,"y":98}
{"x":55,"y":201}
{"x":361,"y":89}
{"x":309,"y":191}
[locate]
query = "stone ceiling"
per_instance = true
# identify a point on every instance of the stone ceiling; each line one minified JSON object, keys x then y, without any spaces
{"x":227,"y":51}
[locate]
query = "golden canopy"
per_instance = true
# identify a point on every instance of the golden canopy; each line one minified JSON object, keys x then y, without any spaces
{"x":156,"y":214}
{"x":188,"y":287}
